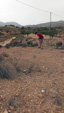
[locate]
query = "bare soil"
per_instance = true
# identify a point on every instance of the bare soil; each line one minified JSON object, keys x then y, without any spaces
{"x":39,"y":87}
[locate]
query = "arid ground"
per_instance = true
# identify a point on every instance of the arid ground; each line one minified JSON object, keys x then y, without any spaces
{"x":39,"y":85}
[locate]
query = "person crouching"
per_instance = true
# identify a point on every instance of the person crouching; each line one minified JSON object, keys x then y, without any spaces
{"x":40,"y":40}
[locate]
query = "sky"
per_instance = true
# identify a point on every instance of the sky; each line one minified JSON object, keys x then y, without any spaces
{"x":30,"y":12}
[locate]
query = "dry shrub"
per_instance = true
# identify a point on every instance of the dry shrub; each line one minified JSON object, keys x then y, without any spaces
{"x":7,"y":46}
{"x":5,"y":54}
{"x":1,"y":58}
{"x":7,"y":70}
{"x":58,"y":101}
{"x":0,"y":46}
{"x":58,"y":44}
{"x":18,"y":67}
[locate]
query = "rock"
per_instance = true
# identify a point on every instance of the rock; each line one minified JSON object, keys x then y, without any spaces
{"x":43,"y":91}
{"x":42,"y":100}
{"x":17,"y":94}
{"x":40,"y":95}
{"x":24,"y":71}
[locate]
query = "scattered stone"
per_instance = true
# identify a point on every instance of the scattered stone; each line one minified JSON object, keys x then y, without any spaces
{"x":17,"y":94}
{"x":43,"y":91}
{"x":40,"y":95}
{"x":42,"y":100}
{"x":24,"y":71}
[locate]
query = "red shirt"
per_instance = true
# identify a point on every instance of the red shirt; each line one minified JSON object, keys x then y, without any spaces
{"x":40,"y":35}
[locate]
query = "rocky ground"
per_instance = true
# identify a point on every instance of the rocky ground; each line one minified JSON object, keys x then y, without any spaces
{"x":38,"y":82}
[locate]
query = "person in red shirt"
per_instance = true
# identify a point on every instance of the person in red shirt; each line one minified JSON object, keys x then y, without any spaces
{"x":40,"y":40}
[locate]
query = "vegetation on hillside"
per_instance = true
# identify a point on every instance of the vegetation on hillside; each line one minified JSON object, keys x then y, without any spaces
{"x":11,"y":30}
{"x":43,"y":30}
{"x":8,"y":32}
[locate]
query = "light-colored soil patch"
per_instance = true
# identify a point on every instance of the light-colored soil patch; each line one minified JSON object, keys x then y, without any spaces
{"x":6,"y":41}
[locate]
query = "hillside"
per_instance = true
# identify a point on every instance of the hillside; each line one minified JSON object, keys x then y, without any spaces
{"x":53,"y":24}
{"x":10,"y":23}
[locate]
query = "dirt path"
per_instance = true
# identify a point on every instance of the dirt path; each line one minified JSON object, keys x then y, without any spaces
{"x":7,"y":41}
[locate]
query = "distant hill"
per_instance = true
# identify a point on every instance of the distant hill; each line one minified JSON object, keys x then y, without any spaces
{"x":10,"y":23}
{"x":1,"y":23}
{"x":53,"y":24}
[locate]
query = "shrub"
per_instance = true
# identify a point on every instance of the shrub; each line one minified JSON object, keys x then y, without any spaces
{"x":34,"y":44}
{"x":13,"y":44}
{"x":5,"y":54}
{"x":7,"y":31}
{"x":7,"y":46}
{"x":23,"y":45}
{"x":0,"y":46}
{"x":1,"y":58}
{"x":29,"y":43}
{"x":58,"y":44}
{"x":7,"y":70}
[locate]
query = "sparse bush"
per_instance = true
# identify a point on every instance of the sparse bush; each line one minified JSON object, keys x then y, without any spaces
{"x":22,"y":27}
{"x":34,"y":44}
{"x":7,"y":46}
{"x":13,"y":44}
{"x":18,"y":67}
{"x":12,"y":25}
{"x":16,"y":43}
{"x":59,"y":44}
{"x":29,"y":43}
{"x":0,"y":46}
{"x":7,"y":31}
{"x":7,"y":70}
{"x":23,"y":32}
{"x":5,"y":54}
{"x":1,"y":58}
{"x":1,"y":34}
{"x":28,"y":38}
{"x":23,"y":45}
